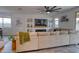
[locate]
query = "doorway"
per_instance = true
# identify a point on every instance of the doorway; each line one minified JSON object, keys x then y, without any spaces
{"x":77,"y":21}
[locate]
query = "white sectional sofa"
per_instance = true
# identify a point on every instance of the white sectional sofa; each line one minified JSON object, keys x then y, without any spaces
{"x":40,"y":40}
{"x":30,"y":45}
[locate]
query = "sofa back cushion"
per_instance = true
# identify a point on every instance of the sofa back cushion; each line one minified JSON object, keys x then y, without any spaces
{"x":33,"y":33}
{"x":43,"y":33}
{"x":53,"y":33}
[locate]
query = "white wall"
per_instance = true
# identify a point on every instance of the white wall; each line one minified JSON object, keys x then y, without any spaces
{"x":22,"y":17}
{"x":72,"y":20}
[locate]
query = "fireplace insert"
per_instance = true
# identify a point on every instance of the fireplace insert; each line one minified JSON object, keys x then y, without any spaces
{"x":40,"y":30}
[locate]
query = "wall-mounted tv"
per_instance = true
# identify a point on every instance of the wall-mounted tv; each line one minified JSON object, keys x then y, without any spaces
{"x":41,"y":22}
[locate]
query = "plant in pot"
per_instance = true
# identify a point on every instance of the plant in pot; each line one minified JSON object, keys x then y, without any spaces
{"x":11,"y":37}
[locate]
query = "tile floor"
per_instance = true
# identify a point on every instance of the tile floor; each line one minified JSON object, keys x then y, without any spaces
{"x":64,"y":49}
{"x":7,"y":45}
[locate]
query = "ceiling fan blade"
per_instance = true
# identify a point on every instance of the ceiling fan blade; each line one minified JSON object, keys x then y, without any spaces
{"x":46,"y":7}
{"x":41,"y":9}
{"x":57,"y":9}
{"x":53,"y":7}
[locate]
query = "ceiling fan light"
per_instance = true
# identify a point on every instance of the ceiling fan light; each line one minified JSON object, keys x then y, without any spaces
{"x":48,"y":12}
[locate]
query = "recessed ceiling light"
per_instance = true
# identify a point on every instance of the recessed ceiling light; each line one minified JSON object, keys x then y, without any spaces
{"x":48,"y":12}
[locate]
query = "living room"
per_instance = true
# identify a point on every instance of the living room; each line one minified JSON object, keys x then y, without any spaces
{"x":47,"y":26}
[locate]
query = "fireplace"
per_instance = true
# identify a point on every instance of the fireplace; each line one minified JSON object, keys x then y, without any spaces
{"x":40,"y":30}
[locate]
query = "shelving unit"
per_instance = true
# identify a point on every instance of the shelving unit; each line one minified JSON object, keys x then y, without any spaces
{"x":31,"y":26}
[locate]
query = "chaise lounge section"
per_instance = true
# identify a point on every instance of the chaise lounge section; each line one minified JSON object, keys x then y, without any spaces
{"x":41,"y":40}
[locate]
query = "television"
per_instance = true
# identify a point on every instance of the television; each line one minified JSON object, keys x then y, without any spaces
{"x":41,"y":22}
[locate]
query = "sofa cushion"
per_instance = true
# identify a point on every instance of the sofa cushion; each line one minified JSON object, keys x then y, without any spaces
{"x":33,"y":33}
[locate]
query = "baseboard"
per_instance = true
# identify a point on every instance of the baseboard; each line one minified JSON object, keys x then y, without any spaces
{"x":44,"y":48}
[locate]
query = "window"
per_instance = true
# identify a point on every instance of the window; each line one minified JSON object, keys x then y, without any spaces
{"x":56,"y":22}
{"x":5,"y":22}
{"x":0,"y":22}
{"x":77,"y":23}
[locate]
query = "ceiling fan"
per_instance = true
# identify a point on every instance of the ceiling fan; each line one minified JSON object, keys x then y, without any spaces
{"x":49,"y":9}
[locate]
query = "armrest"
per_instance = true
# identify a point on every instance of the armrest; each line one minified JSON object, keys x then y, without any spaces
{"x":1,"y":44}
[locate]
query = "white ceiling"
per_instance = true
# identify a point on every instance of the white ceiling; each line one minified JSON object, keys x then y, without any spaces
{"x":27,"y":9}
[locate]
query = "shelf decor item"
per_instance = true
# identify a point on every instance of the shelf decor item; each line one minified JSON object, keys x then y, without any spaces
{"x":29,"y":24}
{"x":29,"y":20}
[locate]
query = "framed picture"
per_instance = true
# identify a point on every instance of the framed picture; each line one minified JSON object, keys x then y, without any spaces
{"x":64,"y":19}
{"x":18,"y":22}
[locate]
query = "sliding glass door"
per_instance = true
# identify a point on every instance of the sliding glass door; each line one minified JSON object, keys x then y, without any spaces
{"x":77,"y":21}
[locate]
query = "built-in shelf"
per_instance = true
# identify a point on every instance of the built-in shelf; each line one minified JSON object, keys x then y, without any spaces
{"x":31,"y":27}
